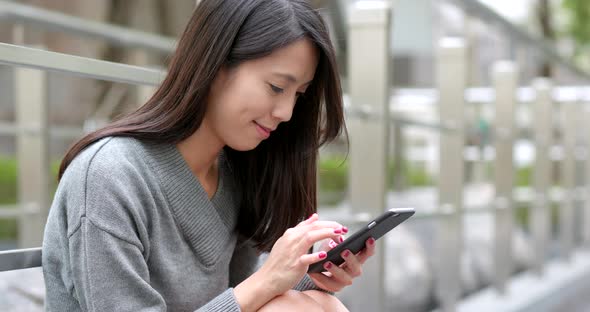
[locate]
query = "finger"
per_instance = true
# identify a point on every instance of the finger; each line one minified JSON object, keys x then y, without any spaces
{"x":327,"y":245}
{"x":326,"y":282}
{"x":314,"y":217}
{"x":311,"y":237}
{"x":309,"y":259}
{"x":353,"y":266}
{"x":368,"y":251}
{"x":339,"y":274}
{"x":325,"y":224}
{"x":332,"y":243}
{"x":338,"y":241}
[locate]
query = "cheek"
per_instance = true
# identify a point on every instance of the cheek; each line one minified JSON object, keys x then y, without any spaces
{"x":250,"y":103}
{"x":239,"y":103}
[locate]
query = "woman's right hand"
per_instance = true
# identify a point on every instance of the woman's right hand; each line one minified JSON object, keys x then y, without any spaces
{"x":288,"y":260}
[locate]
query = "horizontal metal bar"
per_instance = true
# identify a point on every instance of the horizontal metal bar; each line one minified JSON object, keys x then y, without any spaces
{"x":18,"y":259}
{"x":432,"y":125}
{"x":80,"y":66}
{"x":54,"y":21}
{"x":403,"y":120}
{"x":7,"y":128}
{"x":16,"y":211}
{"x":486,"y":95}
{"x":67,"y":132}
{"x":523,"y":197}
{"x":484,"y":13}
{"x":363,"y":218}
{"x":10,"y":212}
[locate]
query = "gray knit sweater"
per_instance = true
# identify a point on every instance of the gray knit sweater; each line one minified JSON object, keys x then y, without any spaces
{"x":132,"y":229}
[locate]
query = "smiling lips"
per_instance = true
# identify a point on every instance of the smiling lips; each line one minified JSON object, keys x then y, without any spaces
{"x":264,"y":131}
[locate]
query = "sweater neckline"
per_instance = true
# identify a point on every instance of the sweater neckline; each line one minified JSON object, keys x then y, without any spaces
{"x":195,"y":214}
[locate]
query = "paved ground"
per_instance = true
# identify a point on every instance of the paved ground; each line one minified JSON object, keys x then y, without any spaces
{"x":580,"y":302}
{"x":22,"y":291}
{"x":577,"y":300}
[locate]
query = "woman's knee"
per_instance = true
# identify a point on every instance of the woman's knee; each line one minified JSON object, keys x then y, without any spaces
{"x":292,"y":300}
{"x":328,"y":302}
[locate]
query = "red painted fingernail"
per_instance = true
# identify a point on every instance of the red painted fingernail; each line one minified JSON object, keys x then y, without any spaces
{"x":346,"y":254}
{"x":341,"y":239}
{"x":344,"y":230}
{"x":337,"y":231}
{"x":328,"y":265}
{"x":322,"y":255}
{"x":371,"y":241}
{"x":332,"y":244}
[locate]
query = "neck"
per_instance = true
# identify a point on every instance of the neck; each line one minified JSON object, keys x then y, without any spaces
{"x":200,"y":150}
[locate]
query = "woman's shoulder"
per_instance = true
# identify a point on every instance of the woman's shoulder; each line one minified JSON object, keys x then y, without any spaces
{"x":112,"y":167}
{"x":105,"y":183}
{"x":110,"y":154}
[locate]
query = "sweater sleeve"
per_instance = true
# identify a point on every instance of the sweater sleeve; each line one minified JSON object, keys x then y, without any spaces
{"x":307,"y":284}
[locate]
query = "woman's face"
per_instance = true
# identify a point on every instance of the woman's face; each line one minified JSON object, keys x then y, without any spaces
{"x":247,"y":102}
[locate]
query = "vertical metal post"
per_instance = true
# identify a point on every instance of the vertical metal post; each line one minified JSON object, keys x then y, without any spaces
{"x":452,"y":61}
{"x":32,"y":154}
{"x":505,"y":82}
{"x":581,"y":156}
{"x":369,"y":74}
{"x":543,"y":138}
{"x":400,"y":172}
{"x":570,"y":124}
{"x":585,"y":222}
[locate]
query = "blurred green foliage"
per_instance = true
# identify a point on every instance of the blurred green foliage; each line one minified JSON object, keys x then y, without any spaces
{"x":578,"y":24}
{"x":524,"y":176}
{"x":8,"y":171}
{"x":333,"y":172}
{"x":9,"y":193}
{"x":522,"y":213}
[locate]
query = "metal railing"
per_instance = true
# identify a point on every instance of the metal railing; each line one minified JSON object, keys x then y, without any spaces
{"x":80,"y":66}
{"x":20,"y":259}
{"x":518,"y":36}
{"x":54,"y":21}
{"x":31,"y":128}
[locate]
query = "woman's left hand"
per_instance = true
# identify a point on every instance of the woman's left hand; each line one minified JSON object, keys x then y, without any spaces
{"x":338,"y":277}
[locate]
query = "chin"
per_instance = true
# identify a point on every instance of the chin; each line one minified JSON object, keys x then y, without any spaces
{"x":243,"y":146}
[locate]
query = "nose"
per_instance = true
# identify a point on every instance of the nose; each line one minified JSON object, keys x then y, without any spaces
{"x":283,"y":110}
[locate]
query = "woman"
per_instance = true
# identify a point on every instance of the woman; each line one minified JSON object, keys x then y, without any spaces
{"x":169,"y":207}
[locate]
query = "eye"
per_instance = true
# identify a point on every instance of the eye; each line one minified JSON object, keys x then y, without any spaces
{"x":276,"y":89}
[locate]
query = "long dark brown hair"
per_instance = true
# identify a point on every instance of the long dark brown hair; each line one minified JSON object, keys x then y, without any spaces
{"x":277,"y":179}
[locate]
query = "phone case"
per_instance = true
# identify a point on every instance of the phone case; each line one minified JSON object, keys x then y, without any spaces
{"x":356,"y":242}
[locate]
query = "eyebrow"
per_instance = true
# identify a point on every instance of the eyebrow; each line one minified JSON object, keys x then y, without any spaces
{"x":290,"y":78}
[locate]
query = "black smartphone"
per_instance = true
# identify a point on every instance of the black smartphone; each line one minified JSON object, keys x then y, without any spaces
{"x":356,"y":242}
